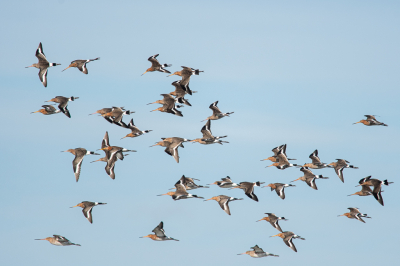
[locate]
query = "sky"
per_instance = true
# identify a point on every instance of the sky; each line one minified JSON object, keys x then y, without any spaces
{"x":293,"y":72}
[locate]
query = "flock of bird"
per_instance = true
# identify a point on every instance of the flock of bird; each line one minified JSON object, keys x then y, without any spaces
{"x":170,"y":104}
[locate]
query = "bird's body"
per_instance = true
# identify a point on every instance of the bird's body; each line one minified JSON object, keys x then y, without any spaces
{"x":371,"y":121}
{"x":77,"y":162}
{"x":87,"y":207}
{"x":156,"y":66}
{"x":217,"y":114}
{"x":58,"y":240}
{"x":208,"y":138}
{"x":115,"y":116}
{"x":223,"y":202}
{"x":248,"y":188}
{"x":63,"y":103}
{"x":159,"y":234}
{"x":81,"y":64}
{"x":136,"y":132}
{"x":47,"y":110}
{"x":309,"y":177}
{"x":377,"y":184}
{"x":288,"y":237}
{"x":186,"y":73}
{"x":279,"y":188}
{"x":282,"y":162}
{"x":172,"y":145}
{"x":315,"y":162}
{"x":225,"y":182}
{"x":42,"y":64}
{"x":355,"y":214}
{"x":180,"y":193}
{"x":339,"y":166}
{"x":188,"y":183}
{"x":273,"y":220}
{"x":258,"y":252}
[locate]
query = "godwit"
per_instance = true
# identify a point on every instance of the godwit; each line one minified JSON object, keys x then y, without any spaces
{"x":309,"y":177}
{"x":225,"y":183}
{"x":87,"y":207}
{"x":171,"y":145}
{"x":180,"y":193}
{"x":115,"y":116}
{"x":81,"y":64}
{"x":273,"y":220}
{"x":156,"y":66}
{"x":189,"y":183}
{"x":276,"y":150}
{"x":279,"y":188}
{"x":159,"y":234}
{"x":315,"y":162}
{"x":42,"y":64}
{"x":136,"y":132}
{"x":168,"y":105}
{"x":185,"y":73}
{"x":63,"y":103}
{"x":355,"y":214}
{"x":217,"y":114}
{"x":77,"y":162}
{"x":104,"y":111}
{"x":180,"y":92}
{"x":377,"y":184}
{"x":223,"y":202}
{"x":104,"y":159}
{"x":287,"y":237}
{"x":113,"y":153}
{"x":340,"y":165}
{"x":258,"y":253}
{"x":58,"y":240}
{"x":371,"y":121}
{"x":208,"y":138}
{"x":365,"y":191}
{"x":48,"y":110}
{"x":248,"y":189}
{"x":282,"y":162}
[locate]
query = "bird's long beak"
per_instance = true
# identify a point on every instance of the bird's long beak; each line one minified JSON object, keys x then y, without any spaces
{"x":275,"y":235}
{"x":66,"y":69}
{"x":35,"y":112}
{"x":144,"y":73}
{"x":242,"y":254}
{"x":163,"y":194}
{"x":74,"y":206}
{"x":27,"y":67}
{"x":295,"y":180}
{"x":356,"y":122}
{"x":40,"y":239}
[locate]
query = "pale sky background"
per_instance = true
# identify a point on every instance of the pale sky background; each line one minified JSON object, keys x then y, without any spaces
{"x":294,"y":72}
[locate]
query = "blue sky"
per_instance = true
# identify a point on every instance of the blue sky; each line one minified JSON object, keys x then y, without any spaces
{"x":294,"y":72}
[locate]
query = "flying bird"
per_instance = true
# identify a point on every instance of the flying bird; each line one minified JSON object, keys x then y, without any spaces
{"x":208,"y":137}
{"x":355,"y":214}
{"x":279,"y":188}
{"x":77,"y":162}
{"x":171,"y":145}
{"x":63,"y":103}
{"x":339,"y":166}
{"x":377,"y":184}
{"x":309,"y":177}
{"x":258,"y":252}
{"x":81,"y":64}
{"x":248,"y":189}
{"x":273,"y":220}
{"x":159,"y":234}
{"x":288,"y":237}
{"x":371,"y":121}
{"x":42,"y":64}
{"x":58,"y":240}
{"x":223,"y":202}
{"x":87,"y":207}
{"x":217,"y":114}
{"x":136,"y":132}
{"x":180,"y":193}
{"x":156,"y":66}
{"x":225,"y":182}
{"x":47,"y":110}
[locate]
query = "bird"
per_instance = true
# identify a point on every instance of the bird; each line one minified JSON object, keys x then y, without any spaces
{"x":156,"y":66}
{"x":365,"y":190}
{"x":377,"y":184}
{"x":225,"y":182}
{"x":180,"y":92}
{"x":208,"y":138}
{"x":248,"y":189}
{"x":287,"y":237}
{"x":104,"y":111}
{"x":279,"y":188}
{"x":159,"y":234}
{"x":223,"y":202}
{"x":180,"y":193}
{"x":136,"y":132}
{"x":77,"y":162}
{"x":87,"y":207}
{"x":189,"y":183}
{"x":339,"y":166}
{"x":315,"y":162}
{"x":63,"y":103}
{"x":185,"y":73}
{"x":273,"y":220}
{"x":371,"y":121}
{"x":309,"y":177}
{"x":282,"y":162}
{"x":115,"y":116}
{"x":47,"y":110}
{"x":113,"y":153}
{"x":58,"y":240}
{"x":171,"y":145}
{"x":168,"y":105}
{"x":81,"y":64}
{"x":276,"y":150}
{"x":258,"y":252}
{"x":355,"y":214}
{"x":217,"y":114}
{"x":42,"y":64}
